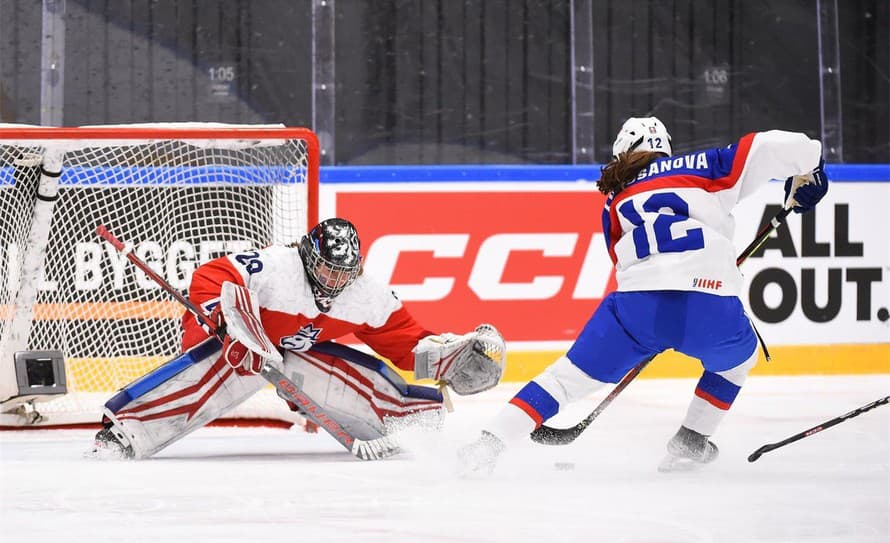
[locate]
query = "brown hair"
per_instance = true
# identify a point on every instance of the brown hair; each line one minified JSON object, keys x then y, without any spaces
{"x":616,"y":174}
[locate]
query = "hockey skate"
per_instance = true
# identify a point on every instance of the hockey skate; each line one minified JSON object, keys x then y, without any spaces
{"x":109,"y":446}
{"x":688,"y":450}
{"x":479,"y":457}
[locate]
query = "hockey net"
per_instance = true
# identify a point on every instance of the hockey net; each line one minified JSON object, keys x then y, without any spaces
{"x":179,"y":195}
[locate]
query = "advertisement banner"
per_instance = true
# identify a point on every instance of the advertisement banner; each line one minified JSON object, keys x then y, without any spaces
{"x":825,"y":278}
{"x":532,"y":261}
{"x":530,"y":257}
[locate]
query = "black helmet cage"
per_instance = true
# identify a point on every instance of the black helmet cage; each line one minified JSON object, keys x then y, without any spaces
{"x":331,"y":254}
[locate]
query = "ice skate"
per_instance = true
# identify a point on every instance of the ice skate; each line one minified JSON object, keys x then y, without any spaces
{"x":480,"y":456}
{"x":688,"y":450}
{"x":108,"y":446}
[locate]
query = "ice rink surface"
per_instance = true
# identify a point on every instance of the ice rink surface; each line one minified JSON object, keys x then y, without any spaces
{"x":237,"y":485}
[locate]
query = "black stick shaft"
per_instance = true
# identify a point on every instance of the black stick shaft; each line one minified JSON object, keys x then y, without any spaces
{"x":764,"y":233}
{"x":816,"y":429}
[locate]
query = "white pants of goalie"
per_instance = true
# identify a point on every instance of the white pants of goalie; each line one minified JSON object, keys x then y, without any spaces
{"x":357,"y":390}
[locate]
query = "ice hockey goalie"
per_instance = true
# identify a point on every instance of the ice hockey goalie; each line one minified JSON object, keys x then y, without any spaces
{"x":301,"y":297}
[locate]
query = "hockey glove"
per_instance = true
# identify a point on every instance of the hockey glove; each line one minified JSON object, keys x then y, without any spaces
{"x":469,"y":363}
{"x":233,"y":351}
{"x":803,"y":192}
{"x":240,"y":357}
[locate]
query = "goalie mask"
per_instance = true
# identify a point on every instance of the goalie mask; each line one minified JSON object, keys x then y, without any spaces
{"x":642,"y":134}
{"x":331,"y":255}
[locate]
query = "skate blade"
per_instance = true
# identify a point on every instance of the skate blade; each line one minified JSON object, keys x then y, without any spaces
{"x":676,"y":464}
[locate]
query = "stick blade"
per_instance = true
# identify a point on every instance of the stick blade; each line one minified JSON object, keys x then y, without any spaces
{"x":546,"y":435}
{"x":375,"y":449}
{"x":759,"y":452}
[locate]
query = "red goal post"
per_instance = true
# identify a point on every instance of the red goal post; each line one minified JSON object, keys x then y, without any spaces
{"x":179,"y":194}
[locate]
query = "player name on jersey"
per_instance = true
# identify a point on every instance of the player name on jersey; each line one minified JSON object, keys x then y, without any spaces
{"x":697,"y":161}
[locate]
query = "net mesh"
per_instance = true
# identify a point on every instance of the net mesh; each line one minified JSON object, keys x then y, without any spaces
{"x":177,"y":204}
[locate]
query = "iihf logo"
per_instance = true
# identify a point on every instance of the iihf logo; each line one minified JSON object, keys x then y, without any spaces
{"x":713,"y":284}
{"x":302,"y":340}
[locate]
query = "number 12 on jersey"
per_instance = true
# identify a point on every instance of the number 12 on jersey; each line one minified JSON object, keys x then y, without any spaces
{"x":665,"y":242}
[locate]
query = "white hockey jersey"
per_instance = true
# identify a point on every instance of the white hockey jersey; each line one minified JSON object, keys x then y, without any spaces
{"x":275,"y":274}
{"x":671,"y":228}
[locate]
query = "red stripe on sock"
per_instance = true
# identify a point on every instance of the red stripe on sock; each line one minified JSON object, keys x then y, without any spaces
{"x":529,"y":410}
{"x":712,"y":400}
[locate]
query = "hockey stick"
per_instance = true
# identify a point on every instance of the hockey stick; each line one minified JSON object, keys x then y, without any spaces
{"x":365,"y":449}
{"x":547,"y":435}
{"x":764,"y":233}
{"x":563,"y":436}
{"x":816,"y":429}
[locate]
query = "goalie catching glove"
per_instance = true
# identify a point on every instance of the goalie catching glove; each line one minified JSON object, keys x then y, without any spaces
{"x":469,"y":363}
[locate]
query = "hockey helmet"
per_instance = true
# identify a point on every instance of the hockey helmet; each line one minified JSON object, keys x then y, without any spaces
{"x":331,"y":254}
{"x":642,"y":134}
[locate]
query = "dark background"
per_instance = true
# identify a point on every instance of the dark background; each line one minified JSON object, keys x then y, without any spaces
{"x":444,"y":81}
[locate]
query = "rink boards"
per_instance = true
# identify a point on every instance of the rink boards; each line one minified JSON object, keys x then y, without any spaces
{"x":522,"y":247}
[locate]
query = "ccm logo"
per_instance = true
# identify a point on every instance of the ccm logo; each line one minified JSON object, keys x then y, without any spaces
{"x":489,"y":263}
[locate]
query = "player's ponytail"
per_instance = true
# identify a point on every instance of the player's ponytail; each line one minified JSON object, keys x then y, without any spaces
{"x":618,"y":173}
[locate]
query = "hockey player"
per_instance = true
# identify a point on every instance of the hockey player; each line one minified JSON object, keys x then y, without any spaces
{"x":669,"y":229}
{"x":303,"y":296}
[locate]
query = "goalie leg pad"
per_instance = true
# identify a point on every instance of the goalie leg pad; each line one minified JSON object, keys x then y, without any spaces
{"x":361,"y":392}
{"x":175,"y":399}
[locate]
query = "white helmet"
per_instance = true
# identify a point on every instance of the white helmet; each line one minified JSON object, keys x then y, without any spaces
{"x":642,"y":134}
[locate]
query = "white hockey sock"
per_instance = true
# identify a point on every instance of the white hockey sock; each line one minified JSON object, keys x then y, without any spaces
{"x":511,"y":424}
{"x":705,"y":411}
{"x":562,"y":380}
{"x":566,"y":382}
{"x":703,"y":417}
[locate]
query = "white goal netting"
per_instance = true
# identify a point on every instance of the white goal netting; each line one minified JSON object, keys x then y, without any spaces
{"x":178,"y":194}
